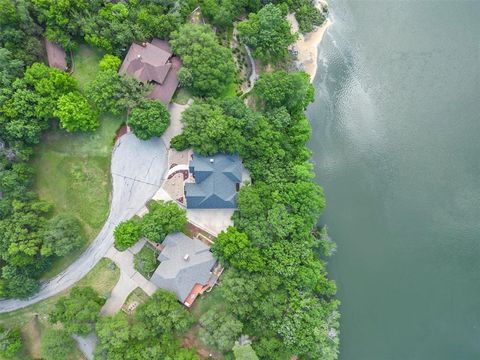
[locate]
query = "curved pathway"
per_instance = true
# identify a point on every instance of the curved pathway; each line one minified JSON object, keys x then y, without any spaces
{"x":138,"y":170}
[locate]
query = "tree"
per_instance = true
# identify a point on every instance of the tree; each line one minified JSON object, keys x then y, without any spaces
{"x":63,"y":234}
{"x":112,"y":29}
{"x":235,"y":248}
{"x":162,"y":314}
{"x":126,"y":234}
{"x":244,"y":352}
{"x":17,"y":282}
{"x":10,"y":342}
{"x":50,"y":84}
{"x":18,"y":31}
{"x":21,"y":233}
{"x":150,"y":118}
{"x":109,"y":62}
{"x":223,"y":13}
{"x":209,"y":130}
{"x":309,"y":327}
{"x":63,"y":20}
{"x":10,"y":68}
{"x":56,"y":344}
{"x":157,"y":20}
{"x":78,"y":311}
{"x":267,"y":33}
{"x":292,"y":90}
{"x":162,"y":219}
{"x":308,"y":15}
{"x":113,"y":337}
{"x":112,"y":93}
{"x":219,"y":330}
{"x":208,"y":68}
{"x":75,"y":113}
{"x":19,"y":119}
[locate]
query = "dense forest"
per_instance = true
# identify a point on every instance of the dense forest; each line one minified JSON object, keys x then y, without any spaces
{"x":275,"y":288}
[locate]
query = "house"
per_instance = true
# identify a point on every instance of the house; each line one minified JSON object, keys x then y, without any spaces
{"x":217,"y":181}
{"x":153,"y":63}
{"x":186,"y":267}
{"x":56,"y":56}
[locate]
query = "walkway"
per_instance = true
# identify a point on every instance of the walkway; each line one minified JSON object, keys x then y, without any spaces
{"x":129,"y":280}
{"x":138,"y":170}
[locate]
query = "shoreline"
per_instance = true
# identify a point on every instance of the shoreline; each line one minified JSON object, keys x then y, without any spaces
{"x":307,"y":44}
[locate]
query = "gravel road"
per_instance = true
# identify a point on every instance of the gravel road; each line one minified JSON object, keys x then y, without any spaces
{"x":138,"y":169}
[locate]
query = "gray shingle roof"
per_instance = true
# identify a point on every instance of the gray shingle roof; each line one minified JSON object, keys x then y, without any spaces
{"x":177,"y":274}
{"x":216,"y":179}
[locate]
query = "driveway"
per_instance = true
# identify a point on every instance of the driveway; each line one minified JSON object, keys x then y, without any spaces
{"x":138,"y":170}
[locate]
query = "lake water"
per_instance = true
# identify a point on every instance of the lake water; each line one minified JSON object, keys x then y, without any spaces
{"x":396,"y":143}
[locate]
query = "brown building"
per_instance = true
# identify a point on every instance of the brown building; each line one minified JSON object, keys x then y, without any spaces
{"x":56,"y":56}
{"x":153,"y":63}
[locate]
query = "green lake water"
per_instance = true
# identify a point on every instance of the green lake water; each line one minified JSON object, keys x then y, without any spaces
{"x":396,"y":145}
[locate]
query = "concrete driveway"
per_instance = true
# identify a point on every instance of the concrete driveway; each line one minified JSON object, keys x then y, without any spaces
{"x":138,"y":170}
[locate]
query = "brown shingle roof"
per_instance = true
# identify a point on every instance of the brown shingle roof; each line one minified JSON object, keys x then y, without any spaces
{"x":56,"y":56}
{"x":153,"y":62}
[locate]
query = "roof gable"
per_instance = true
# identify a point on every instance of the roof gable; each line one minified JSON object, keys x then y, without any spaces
{"x":216,"y":179}
{"x":179,"y":273}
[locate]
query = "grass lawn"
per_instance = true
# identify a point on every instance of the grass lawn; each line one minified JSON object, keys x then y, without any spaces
{"x":73,"y":174}
{"x":136,"y":297}
{"x":86,"y":64}
{"x":146,"y":261}
{"x":33,"y":320}
{"x":181,"y":96}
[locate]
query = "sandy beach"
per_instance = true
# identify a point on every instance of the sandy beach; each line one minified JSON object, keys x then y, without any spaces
{"x":307,"y":44}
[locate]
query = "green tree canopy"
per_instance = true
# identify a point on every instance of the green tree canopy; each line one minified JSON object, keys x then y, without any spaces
{"x":75,"y":113}
{"x":112,"y":29}
{"x":63,"y":234}
{"x":112,"y":93}
{"x":126,"y":234}
{"x":56,"y":344}
{"x":150,"y":118}
{"x":219,"y":329}
{"x":208,"y":68}
{"x":114,"y":337}
{"x":63,"y":20}
{"x":19,"y":34}
{"x":79,"y":311}
{"x":109,"y":62}
{"x":235,"y":248}
{"x":267,"y":33}
{"x":145,"y":336}
{"x":208,"y":130}
{"x":21,"y":233}
{"x":223,"y":13}
{"x":10,"y":342}
{"x":292,"y":90}
{"x":162,"y":219}
{"x":162,"y":314}
{"x":308,"y":15}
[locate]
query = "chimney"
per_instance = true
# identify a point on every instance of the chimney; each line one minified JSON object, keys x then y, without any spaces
{"x":144,"y":44}
{"x":211,"y":160}
{"x":186,"y":257}
{"x":139,"y":56}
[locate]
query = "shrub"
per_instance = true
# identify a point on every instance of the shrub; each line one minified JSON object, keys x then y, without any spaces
{"x":126,"y":234}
